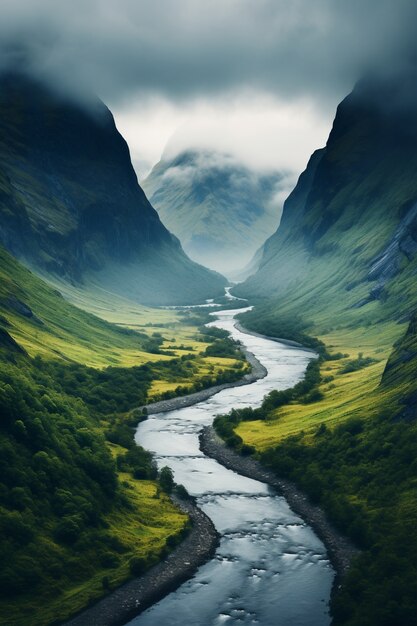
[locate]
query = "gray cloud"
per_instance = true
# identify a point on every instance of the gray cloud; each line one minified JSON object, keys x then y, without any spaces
{"x":258,"y":79}
{"x":193,"y":48}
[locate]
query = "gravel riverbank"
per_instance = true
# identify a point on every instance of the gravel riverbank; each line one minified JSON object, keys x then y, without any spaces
{"x":286,"y":342}
{"x":130,"y":599}
{"x":340,"y":549}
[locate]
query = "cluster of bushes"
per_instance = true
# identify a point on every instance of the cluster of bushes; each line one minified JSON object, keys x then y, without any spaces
{"x":138,"y":462}
{"x":357,"y":364}
{"x":221,"y":377}
{"x":267,"y":322}
{"x":224,"y":348}
{"x":185,"y":367}
{"x":305,"y":391}
{"x":208,"y":333}
{"x":153,"y":345}
{"x":195,"y":317}
{"x":114,"y":389}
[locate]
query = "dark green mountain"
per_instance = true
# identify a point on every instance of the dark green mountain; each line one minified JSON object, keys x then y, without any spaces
{"x":342,"y":268}
{"x":349,"y":228}
{"x":70,"y":203}
{"x":221,"y":210}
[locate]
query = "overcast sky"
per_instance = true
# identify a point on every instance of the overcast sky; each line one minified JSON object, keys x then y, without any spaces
{"x":258,"y":78}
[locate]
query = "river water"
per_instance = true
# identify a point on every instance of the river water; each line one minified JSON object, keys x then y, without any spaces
{"x":270,"y":568}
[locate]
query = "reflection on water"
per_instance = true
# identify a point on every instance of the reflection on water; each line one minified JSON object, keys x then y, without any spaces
{"x":270,"y":568}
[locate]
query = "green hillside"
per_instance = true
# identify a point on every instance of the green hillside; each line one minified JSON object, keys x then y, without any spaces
{"x":341,"y":269}
{"x":79,"y":501}
{"x":346,"y":237}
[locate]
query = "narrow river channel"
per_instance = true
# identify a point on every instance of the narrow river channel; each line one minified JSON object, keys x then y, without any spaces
{"x":270,"y":568}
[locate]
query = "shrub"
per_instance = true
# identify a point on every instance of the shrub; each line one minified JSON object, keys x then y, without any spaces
{"x":166,"y":479}
{"x":138,"y":566}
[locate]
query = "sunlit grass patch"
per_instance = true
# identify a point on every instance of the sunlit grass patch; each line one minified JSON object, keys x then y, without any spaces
{"x":345,"y":394}
{"x":161,"y":386}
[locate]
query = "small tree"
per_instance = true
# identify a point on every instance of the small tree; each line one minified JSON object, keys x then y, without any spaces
{"x":166,"y":479}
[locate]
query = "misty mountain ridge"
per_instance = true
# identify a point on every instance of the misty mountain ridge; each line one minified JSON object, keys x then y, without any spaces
{"x":221,"y":210}
{"x":70,"y":203}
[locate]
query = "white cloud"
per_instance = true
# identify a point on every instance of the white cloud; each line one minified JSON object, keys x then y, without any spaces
{"x":258,"y":130}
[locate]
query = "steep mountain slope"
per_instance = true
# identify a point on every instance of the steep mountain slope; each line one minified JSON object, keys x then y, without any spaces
{"x":70,"y":203}
{"x":350,"y":226}
{"x":342,"y":268}
{"x":221,"y":210}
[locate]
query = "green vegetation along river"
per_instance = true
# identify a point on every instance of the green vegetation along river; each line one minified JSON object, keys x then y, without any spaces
{"x":270,"y":567}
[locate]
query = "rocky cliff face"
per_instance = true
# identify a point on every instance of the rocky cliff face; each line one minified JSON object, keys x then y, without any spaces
{"x":70,"y":202}
{"x":350,"y":225}
{"x":221,"y":210}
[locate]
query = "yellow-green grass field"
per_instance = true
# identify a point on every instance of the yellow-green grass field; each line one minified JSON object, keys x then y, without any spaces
{"x":86,"y":325}
{"x":180,"y":339}
{"x":206,"y":366}
{"x":72,"y":330}
{"x":348,"y":395}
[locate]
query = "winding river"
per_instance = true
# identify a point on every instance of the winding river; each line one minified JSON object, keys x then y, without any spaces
{"x":270,"y":568}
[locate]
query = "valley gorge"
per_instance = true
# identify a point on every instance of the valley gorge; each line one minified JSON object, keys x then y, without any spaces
{"x":116,"y":350}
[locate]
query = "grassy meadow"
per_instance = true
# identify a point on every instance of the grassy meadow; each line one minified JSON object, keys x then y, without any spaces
{"x":345,"y":394}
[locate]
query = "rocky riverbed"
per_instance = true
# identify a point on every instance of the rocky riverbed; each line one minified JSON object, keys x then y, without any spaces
{"x":340,"y":549}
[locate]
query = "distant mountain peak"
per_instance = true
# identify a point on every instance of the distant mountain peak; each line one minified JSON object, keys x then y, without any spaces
{"x":219,"y":208}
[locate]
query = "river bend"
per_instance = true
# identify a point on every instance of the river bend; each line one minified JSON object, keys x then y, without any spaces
{"x":270,"y":568}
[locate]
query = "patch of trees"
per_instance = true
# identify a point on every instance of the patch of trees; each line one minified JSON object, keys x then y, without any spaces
{"x":184,"y":367}
{"x":114,"y":389}
{"x":57,"y":480}
{"x":138,"y":462}
{"x":166,"y":479}
{"x":224,"y":348}
{"x":357,"y":364}
{"x":212,"y":332}
{"x":305,"y":391}
{"x":268,"y":322}
{"x":364,"y":474}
